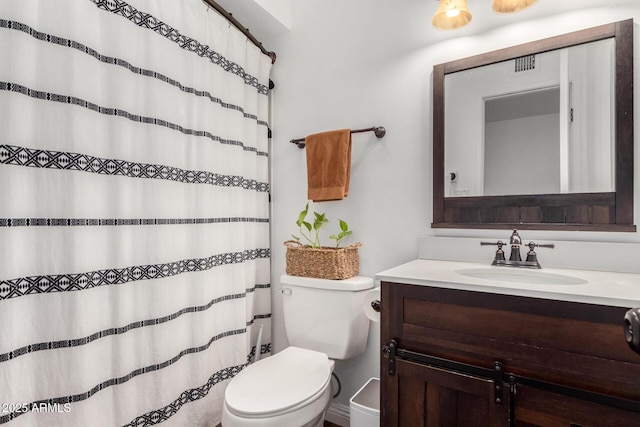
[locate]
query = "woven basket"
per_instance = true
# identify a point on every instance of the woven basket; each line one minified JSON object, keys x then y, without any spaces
{"x":324,"y":262}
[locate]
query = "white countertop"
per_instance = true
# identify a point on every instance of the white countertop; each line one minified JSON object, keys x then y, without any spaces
{"x":601,"y":287}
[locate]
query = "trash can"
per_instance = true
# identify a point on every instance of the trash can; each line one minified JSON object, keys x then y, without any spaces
{"x":365,"y":405}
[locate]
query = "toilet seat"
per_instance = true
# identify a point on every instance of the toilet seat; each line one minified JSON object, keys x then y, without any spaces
{"x":282,"y":383}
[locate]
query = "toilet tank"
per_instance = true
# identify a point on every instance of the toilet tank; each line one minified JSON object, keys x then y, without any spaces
{"x":326,"y":315}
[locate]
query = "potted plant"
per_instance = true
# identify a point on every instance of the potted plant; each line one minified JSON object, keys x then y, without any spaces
{"x":311,"y":259}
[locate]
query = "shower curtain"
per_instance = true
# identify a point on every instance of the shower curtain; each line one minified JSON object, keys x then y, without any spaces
{"x":134,"y":211}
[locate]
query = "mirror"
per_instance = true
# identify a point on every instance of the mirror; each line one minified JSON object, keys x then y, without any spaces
{"x":537,"y":136}
{"x":513,"y":125}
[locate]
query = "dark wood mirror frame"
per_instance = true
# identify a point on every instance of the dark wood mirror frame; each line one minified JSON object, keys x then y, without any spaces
{"x":606,"y":211}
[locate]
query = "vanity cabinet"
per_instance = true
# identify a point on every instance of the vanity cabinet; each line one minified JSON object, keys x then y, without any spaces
{"x":465,"y":358}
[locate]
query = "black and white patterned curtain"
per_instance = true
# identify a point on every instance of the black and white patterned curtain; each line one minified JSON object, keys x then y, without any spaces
{"x":134,"y":212}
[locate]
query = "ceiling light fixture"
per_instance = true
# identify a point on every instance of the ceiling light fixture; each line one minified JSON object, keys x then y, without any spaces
{"x":452,"y":14}
{"x":510,"y":6}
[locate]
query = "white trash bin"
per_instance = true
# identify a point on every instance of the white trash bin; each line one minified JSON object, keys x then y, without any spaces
{"x":365,"y":405}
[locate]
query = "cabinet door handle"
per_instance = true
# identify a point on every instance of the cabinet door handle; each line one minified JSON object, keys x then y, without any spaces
{"x":632,"y":329}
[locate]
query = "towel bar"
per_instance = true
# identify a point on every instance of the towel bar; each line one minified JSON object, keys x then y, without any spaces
{"x":378,"y":130}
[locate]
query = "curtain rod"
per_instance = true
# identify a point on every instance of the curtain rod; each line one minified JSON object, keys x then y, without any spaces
{"x":378,"y":130}
{"x":240,"y":27}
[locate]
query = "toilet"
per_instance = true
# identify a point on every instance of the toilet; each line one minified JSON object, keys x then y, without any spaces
{"x":324,"y":321}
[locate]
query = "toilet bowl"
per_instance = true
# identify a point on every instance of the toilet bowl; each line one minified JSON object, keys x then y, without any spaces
{"x":324,"y":320}
{"x":290,"y":388}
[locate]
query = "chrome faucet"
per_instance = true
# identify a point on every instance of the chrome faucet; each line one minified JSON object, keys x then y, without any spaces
{"x":515,"y":260}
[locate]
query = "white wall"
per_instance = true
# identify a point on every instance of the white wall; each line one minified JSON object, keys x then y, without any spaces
{"x":280,"y":9}
{"x":361,"y":63}
{"x":263,"y":18}
{"x":513,"y":163}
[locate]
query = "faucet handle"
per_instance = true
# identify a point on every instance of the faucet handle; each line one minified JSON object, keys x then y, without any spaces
{"x":499,"y":251}
{"x":499,"y":243}
{"x":532,"y":256}
{"x":537,"y":245}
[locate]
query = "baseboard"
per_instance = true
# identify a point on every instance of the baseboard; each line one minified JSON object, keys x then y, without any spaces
{"x":338,"y":414}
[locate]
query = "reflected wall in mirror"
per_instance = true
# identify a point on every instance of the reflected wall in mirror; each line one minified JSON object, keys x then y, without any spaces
{"x":521,"y":144}
{"x":538,"y":135}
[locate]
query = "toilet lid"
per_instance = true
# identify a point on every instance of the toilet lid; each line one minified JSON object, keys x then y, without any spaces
{"x":278,"y":382}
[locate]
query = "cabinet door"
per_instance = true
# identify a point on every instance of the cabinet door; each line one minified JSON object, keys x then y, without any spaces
{"x":420,"y":395}
{"x":540,"y":408}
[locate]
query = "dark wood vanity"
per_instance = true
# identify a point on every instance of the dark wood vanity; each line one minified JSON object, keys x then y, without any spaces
{"x":465,"y":358}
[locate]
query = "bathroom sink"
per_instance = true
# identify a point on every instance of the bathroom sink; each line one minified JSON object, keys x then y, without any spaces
{"x":513,"y":275}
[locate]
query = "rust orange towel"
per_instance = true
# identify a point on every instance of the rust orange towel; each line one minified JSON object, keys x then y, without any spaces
{"x":328,"y":165}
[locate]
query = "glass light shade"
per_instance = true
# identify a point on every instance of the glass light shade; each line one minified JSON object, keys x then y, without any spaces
{"x":510,"y":6}
{"x":451,"y":14}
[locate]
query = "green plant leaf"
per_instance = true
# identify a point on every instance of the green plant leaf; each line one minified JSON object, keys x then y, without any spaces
{"x":319,"y":221}
{"x":302,"y":215}
{"x":312,"y":234}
